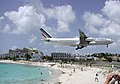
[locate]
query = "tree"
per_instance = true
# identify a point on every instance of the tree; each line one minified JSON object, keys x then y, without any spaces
{"x":118,"y":60}
{"x":14,"y":59}
{"x":17,"y":56}
{"x":27,"y":57}
{"x":47,"y":58}
{"x":109,"y":59}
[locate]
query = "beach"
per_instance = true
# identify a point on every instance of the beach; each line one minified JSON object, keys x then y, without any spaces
{"x":69,"y":74}
{"x":78,"y":76}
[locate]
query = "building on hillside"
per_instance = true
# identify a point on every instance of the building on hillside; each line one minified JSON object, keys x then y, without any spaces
{"x":83,"y":57}
{"x":2,"y":56}
{"x":37,"y":56}
{"x":68,"y":56}
{"x":61,"y":56}
{"x":20,"y":53}
{"x":115,"y":57}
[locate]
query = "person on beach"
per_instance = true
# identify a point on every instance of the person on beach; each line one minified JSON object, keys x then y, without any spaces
{"x":41,"y":73}
{"x":96,"y":78}
{"x":74,"y":70}
{"x":112,"y":66}
{"x":112,"y":78}
{"x":81,"y":69}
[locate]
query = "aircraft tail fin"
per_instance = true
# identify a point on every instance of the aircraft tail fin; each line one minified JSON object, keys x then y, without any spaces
{"x":82,"y":37}
{"x":45,"y":35}
{"x":82,"y":34}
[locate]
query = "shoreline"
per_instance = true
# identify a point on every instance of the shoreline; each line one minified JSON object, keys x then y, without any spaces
{"x":69,"y":74}
{"x":54,"y":73}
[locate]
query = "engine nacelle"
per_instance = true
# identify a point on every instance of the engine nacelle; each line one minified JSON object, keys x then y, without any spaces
{"x":92,"y":42}
{"x":89,"y":39}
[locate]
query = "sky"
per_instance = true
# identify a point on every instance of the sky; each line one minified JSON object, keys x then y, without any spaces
{"x":20,"y":21}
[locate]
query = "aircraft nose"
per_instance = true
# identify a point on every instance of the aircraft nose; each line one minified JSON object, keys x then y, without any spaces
{"x":111,"y":41}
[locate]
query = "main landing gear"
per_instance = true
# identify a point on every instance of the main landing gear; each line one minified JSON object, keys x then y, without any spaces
{"x":78,"y":47}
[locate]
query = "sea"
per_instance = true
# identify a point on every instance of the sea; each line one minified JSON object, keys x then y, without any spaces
{"x":23,"y":74}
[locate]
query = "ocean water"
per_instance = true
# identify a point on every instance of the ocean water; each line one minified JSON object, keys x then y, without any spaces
{"x":22,"y":74}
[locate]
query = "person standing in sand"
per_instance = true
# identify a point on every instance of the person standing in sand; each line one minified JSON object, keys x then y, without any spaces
{"x":74,"y":70}
{"x":96,"y":78}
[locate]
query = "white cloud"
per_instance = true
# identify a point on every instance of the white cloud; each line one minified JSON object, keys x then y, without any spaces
{"x":112,"y":10}
{"x":26,"y":19}
{"x":32,"y":38}
{"x":94,"y":22}
{"x":1,"y":18}
{"x":63,"y":27}
{"x":94,"y":19}
{"x":6,"y":28}
{"x":111,"y":29}
{"x":30,"y":17}
{"x":90,"y":22}
{"x":63,"y":14}
{"x":106,"y":23}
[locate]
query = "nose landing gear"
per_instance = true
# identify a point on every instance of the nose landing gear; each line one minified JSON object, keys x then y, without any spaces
{"x":107,"y":45}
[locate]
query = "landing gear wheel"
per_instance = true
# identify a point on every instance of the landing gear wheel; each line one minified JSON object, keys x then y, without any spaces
{"x":77,"y":48}
{"x":107,"y":45}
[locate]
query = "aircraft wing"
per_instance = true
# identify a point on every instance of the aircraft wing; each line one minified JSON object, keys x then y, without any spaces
{"x":82,"y":40}
{"x":79,"y":46}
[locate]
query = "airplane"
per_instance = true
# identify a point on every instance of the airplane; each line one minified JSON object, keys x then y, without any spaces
{"x":78,"y":42}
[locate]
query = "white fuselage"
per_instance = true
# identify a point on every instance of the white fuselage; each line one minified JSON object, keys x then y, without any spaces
{"x":76,"y":41}
{"x":80,"y":42}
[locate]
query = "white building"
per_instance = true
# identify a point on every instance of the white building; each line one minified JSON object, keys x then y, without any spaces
{"x":82,"y":57}
{"x":20,"y":53}
{"x":37,"y":56}
{"x":61,"y":56}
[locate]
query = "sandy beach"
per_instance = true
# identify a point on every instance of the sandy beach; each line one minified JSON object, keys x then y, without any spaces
{"x":71,"y":74}
{"x":80,"y":75}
